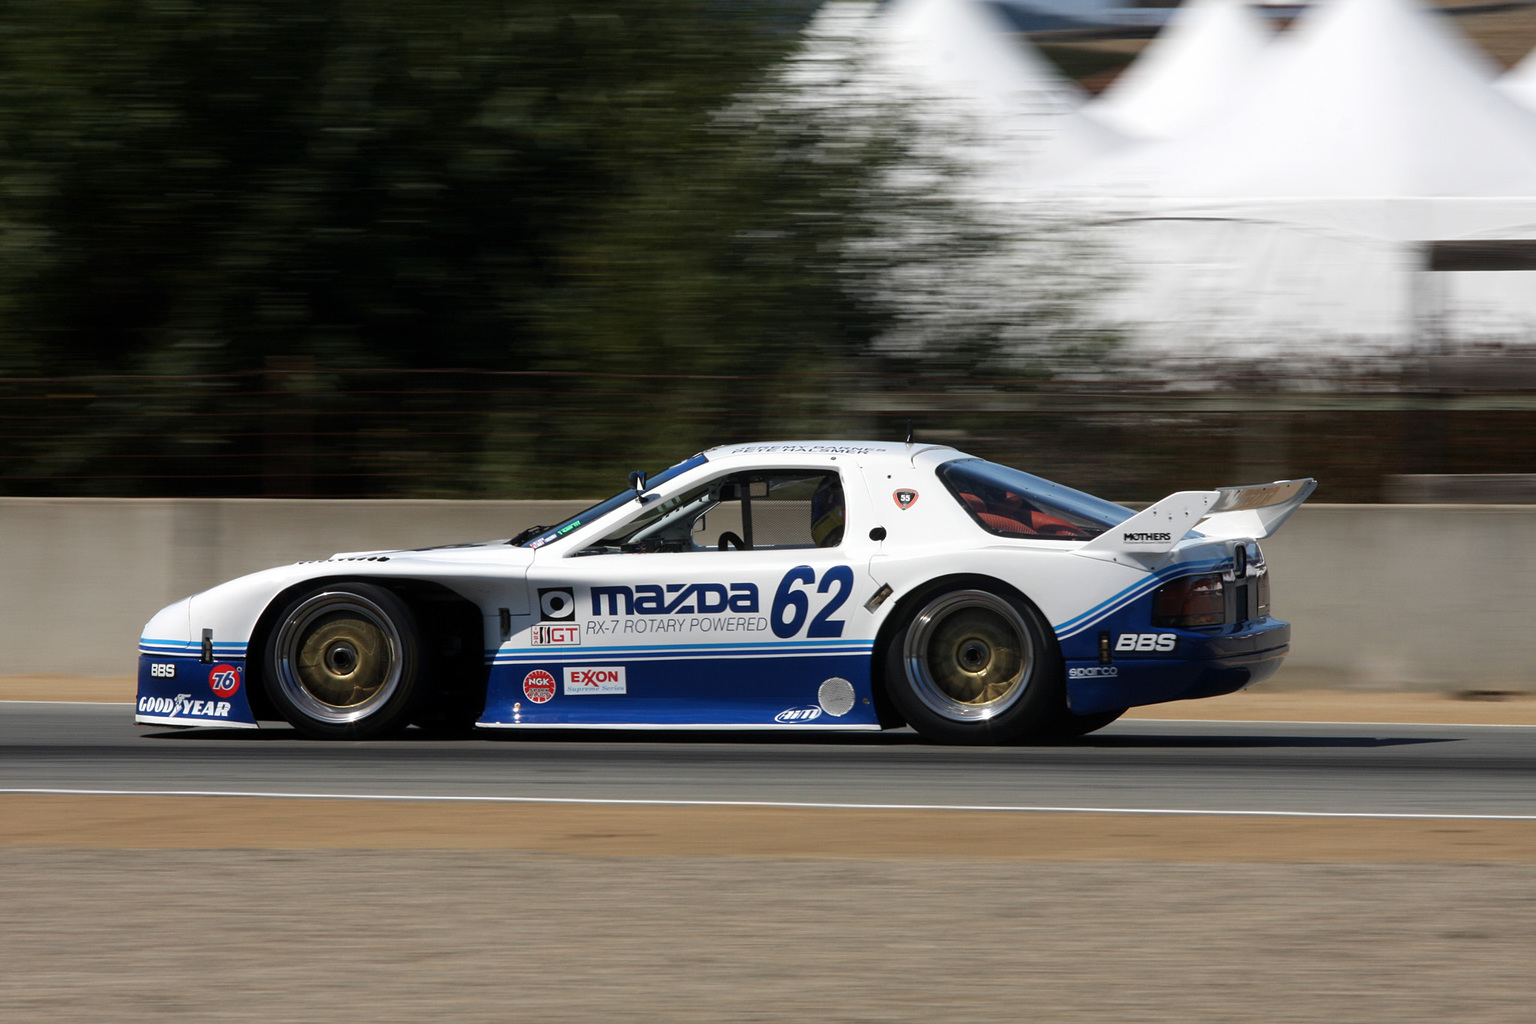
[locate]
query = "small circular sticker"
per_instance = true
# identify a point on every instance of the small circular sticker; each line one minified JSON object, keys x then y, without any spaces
{"x":224,"y":680}
{"x":539,"y":686}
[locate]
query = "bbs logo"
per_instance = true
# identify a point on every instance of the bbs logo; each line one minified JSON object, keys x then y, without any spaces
{"x":162,"y":670}
{"x":1143,"y":643}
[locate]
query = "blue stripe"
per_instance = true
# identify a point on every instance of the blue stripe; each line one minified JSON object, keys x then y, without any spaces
{"x":766,"y":645}
{"x":576,"y":654}
{"x":196,"y":644}
{"x":1078,"y":623}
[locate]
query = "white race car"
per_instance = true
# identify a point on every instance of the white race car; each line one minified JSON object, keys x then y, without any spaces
{"x":790,"y":585}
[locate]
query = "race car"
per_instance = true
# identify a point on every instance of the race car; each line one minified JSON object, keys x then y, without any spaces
{"x":788,"y":585}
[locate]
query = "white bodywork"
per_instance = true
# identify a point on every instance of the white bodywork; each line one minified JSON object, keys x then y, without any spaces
{"x":924,"y":538}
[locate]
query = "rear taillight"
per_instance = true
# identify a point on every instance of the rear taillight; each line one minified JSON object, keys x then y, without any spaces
{"x":1263,"y":585}
{"x":1191,"y":601}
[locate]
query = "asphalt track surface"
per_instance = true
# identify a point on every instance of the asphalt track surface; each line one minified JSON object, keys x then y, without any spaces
{"x":1263,"y":767}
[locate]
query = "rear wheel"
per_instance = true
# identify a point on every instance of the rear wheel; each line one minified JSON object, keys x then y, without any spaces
{"x":344,"y":663}
{"x":973,"y":665}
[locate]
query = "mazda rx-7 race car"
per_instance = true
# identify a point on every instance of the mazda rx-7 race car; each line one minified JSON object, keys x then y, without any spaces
{"x":809,"y":586}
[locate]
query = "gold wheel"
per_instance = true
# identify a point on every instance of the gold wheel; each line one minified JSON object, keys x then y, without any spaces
{"x":968,"y":655}
{"x":339,"y":658}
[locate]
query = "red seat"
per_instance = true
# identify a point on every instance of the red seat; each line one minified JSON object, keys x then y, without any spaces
{"x":1002,"y":524}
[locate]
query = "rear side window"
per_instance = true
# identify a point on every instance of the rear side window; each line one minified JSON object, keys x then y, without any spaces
{"x":1011,"y":503}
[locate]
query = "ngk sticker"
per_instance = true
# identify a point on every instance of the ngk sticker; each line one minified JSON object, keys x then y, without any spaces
{"x":539,"y":686}
{"x":594,"y":679}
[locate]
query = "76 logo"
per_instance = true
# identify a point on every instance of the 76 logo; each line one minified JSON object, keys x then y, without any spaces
{"x":224,"y":680}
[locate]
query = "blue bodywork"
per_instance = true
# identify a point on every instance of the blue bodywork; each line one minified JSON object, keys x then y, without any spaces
{"x":178,"y":688}
{"x":732,"y":685}
{"x":1203,"y":662}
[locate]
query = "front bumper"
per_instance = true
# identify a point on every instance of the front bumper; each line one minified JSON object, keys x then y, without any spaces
{"x":180,"y":689}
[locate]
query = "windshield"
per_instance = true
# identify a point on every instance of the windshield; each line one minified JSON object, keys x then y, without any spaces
{"x":1011,"y":503}
{"x":538,"y":536}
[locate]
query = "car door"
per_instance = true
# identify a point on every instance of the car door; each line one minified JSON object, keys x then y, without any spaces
{"x":728,"y":605}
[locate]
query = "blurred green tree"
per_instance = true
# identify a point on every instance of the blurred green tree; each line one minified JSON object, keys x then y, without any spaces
{"x":249,"y":206}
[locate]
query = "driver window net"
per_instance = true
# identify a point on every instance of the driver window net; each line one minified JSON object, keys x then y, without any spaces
{"x":743,"y":511}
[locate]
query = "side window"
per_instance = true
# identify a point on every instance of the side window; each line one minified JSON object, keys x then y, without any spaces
{"x":777,"y":509}
{"x":739,"y":512}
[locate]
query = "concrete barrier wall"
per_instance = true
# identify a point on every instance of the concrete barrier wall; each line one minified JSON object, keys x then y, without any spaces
{"x":1401,"y":596}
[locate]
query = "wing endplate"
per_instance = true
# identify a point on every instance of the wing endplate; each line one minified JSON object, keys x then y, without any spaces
{"x":1251,"y":511}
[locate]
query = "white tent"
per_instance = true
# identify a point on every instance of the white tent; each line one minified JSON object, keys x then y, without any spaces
{"x":1519,"y":82}
{"x":1198,"y":63}
{"x":962,"y":62}
{"x":1300,"y":215}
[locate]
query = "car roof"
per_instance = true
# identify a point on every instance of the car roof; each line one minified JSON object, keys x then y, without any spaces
{"x":876,"y":451}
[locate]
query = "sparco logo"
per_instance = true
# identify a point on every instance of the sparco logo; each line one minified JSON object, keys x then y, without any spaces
{"x":1094,"y":672}
{"x":674,"y":599}
{"x":1145,"y":538}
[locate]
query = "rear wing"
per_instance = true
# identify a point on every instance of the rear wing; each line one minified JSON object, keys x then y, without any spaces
{"x":1253,"y":511}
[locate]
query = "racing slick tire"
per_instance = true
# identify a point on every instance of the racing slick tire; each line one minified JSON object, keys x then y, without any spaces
{"x":973,"y":664}
{"x":344,"y":662}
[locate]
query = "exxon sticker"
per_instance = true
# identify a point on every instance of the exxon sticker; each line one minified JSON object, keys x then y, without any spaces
{"x":594,"y":679}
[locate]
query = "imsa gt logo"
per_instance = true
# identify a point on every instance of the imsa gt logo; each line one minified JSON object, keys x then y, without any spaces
{"x":551,"y":635}
{"x":1143,"y":643}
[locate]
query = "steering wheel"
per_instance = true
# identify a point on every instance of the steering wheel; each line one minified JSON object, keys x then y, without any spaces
{"x":727,"y":539}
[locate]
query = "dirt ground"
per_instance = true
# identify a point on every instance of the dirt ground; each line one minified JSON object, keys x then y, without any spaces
{"x":273,"y":911}
{"x":271,"y":936}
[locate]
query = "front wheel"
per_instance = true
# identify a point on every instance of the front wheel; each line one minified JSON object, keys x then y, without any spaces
{"x":344,"y":663}
{"x":973,"y":665}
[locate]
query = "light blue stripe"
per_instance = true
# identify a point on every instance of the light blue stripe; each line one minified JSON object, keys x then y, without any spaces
{"x":192,"y":644}
{"x":766,"y":645}
{"x":572,"y":654}
{"x":1079,"y":623}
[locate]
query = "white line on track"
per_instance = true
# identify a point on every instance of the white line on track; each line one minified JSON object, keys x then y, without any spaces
{"x":1123,"y":721}
{"x":76,"y":703}
{"x":781,"y":804}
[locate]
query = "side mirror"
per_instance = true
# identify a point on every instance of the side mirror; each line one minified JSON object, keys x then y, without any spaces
{"x":637,"y":481}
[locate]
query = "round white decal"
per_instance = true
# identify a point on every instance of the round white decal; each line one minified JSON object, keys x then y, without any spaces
{"x":836,"y":696}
